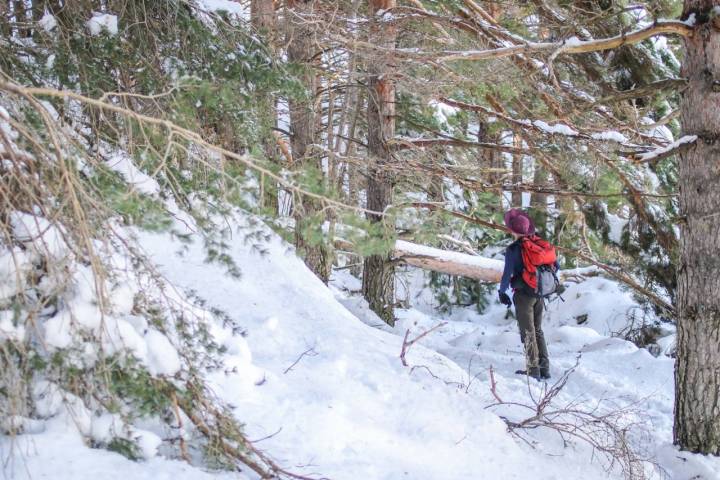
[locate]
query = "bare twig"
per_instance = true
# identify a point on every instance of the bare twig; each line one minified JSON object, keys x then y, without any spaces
{"x":409,"y":343}
{"x":309,"y":352}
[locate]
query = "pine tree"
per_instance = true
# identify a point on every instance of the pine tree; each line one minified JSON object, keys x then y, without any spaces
{"x":307,"y":212}
{"x":378,"y":270}
{"x":697,"y":375}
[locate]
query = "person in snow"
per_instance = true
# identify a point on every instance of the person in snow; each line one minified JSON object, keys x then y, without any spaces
{"x":529,"y":305}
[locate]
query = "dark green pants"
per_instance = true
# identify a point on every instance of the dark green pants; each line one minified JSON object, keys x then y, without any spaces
{"x":529,"y":311}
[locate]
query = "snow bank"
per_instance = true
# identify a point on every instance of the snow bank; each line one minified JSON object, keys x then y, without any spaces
{"x":334,"y":388}
{"x":60,"y":454}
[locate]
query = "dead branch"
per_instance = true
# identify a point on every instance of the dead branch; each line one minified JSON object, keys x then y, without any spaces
{"x":493,"y":386}
{"x":309,"y":352}
{"x":409,"y":343}
{"x":567,"y":46}
{"x":183,"y":446}
{"x":606,"y":430}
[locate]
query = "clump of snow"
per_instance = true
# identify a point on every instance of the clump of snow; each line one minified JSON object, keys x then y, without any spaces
{"x":572,"y":42}
{"x":122,"y":163}
{"x":162,"y":357}
{"x":617,"y":225}
{"x":611,"y":135}
{"x":147,"y":442}
{"x":228,"y":6}
{"x":10,"y":330}
{"x":659,"y":132}
{"x":102,"y":22}
{"x":19,"y":424}
{"x":15,"y":265}
{"x":122,"y":298}
{"x":39,"y":235}
{"x":558,"y":128}
{"x":48,"y":22}
{"x":442,"y":111}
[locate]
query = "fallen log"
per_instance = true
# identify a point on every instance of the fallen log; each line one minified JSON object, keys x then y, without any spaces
{"x":465,"y":265}
{"x":490,"y":270}
{"x":452,"y":263}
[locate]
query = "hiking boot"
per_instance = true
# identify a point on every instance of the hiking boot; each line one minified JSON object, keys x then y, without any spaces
{"x":533,"y":373}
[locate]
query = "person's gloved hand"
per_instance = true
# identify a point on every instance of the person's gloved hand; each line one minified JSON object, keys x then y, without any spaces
{"x":505,"y":299}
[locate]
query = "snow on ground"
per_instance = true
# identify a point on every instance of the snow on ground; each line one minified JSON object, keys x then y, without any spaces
{"x":328,"y":390}
{"x":59,"y":453}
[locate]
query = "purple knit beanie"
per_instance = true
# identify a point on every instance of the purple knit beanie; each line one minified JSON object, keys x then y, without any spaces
{"x":519,"y":222}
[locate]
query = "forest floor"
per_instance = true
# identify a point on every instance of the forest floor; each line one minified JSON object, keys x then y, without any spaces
{"x":318,"y":381}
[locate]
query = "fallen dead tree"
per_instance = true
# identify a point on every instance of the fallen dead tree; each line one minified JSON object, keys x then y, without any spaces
{"x":490,"y":270}
{"x":463,"y":264}
{"x":459,"y":264}
{"x":450,"y":262}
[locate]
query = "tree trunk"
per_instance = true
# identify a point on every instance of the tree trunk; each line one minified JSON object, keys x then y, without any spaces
{"x":37,"y":9}
{"x":490,"y":160}
{"x":5,"y":29}
{"x":538,"y":201}
{"x":379,"y":271}
{"x":517,"y":172}
{"x":262,"y":17}
{"x":697,"y":369}
{"x":21,"y":20}
{"x":309,"y":218}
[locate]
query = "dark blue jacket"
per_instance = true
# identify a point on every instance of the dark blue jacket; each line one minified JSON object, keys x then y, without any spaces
{"x":514,"y":266}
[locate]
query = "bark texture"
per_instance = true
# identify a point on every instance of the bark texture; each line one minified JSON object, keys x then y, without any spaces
{"x":517,"y":173}
{"x":262,"y":17}
{"x":539,"y":200}
{"x":378,"y":270}
{"x":309,"y":239}
{"x":697,"y":370}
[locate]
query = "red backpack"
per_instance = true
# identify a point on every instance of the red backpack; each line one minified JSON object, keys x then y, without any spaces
{"x":539,"y":258}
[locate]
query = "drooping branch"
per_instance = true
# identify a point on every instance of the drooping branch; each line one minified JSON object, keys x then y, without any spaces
{"x":567,"y":46}
{"x":672,"y":84}
{"x":664,"y":152}
{"x":407,"y":143}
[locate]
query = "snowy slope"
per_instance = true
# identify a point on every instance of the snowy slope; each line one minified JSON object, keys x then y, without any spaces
{"x":349,"y":409}
{"x":612,"y":373}
{"x":329,"y":392}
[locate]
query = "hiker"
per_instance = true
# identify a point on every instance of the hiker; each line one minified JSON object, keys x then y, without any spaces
{"x":527,"y":260}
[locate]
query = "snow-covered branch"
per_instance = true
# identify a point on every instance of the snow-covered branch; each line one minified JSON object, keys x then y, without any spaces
{"x":568,"y":46}
{"x":666,"y":151}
